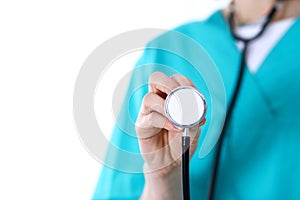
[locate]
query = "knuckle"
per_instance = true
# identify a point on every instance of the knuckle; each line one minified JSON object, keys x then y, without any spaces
{"x":142,"y":122}
{"x":150,"y":117}
{"x":148,"y":98}
{"x":174,"y":84}
{"x":190,"y":82}
{"x":183,"y":78}
{"x":154,"y":76}
{"x":176,"y":75}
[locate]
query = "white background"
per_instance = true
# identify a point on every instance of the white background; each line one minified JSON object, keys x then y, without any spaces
{"x":42,"y":47}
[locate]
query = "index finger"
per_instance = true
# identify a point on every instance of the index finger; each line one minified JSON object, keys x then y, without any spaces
{"x":182,"y":80}
{"x":161,"y":83}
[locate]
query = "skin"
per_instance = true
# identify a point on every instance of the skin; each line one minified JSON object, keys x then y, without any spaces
{"x":159,"y":140}
{"x":244,"y":10}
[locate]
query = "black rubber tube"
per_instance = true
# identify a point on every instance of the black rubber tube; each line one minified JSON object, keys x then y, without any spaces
{"x":186,"y":167}
{"x":238,"y":84}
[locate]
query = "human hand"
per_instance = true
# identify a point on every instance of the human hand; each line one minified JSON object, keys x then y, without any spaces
{"x":159,"y":139}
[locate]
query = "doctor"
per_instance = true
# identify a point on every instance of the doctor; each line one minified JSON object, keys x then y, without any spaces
{"x":259,"y":157}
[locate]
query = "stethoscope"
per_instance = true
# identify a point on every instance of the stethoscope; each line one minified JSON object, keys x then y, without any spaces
{"x":185,"y":107}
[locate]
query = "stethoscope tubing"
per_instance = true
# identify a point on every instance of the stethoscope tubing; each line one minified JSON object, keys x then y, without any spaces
{"x":238,"y":84}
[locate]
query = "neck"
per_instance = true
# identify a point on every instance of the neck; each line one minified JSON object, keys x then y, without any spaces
{"x":247,"y":11}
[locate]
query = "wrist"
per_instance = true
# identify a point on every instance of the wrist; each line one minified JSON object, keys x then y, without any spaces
{"x":163,"y":185}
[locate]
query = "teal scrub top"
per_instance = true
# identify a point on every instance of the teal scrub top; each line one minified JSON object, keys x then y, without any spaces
{"x":260,"y":156}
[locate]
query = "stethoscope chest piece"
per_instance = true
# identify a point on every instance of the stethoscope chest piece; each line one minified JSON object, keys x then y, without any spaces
{"x":185,"y":106}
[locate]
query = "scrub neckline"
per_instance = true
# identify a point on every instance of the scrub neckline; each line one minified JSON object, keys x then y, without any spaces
{"x":271,"y":53}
